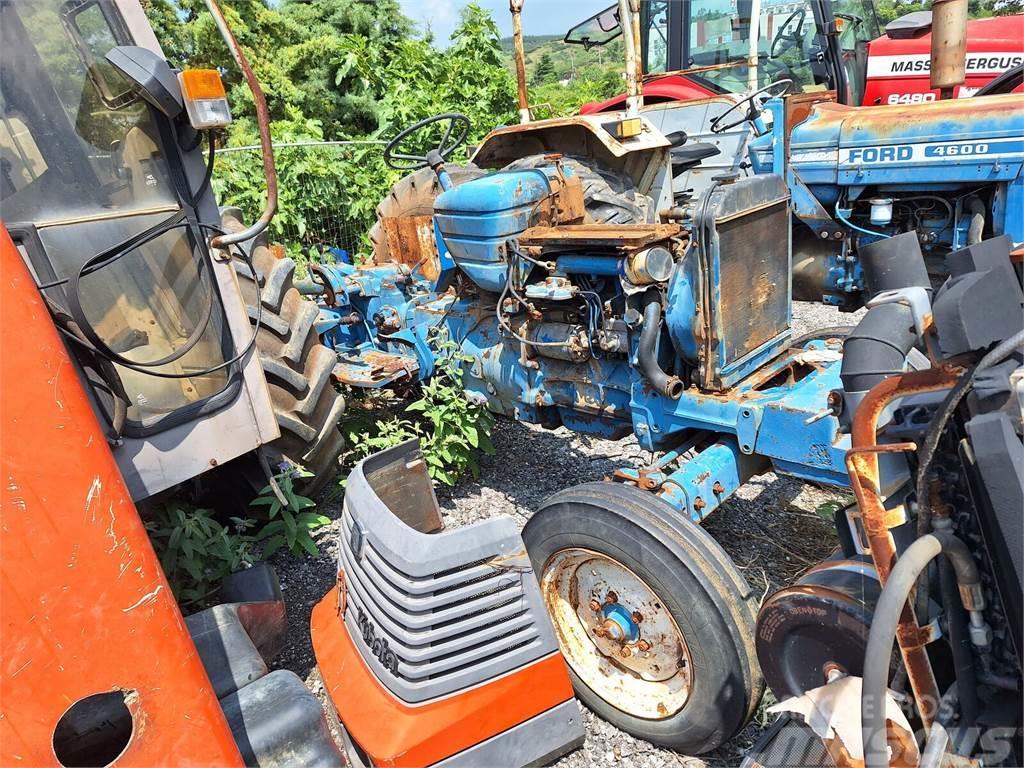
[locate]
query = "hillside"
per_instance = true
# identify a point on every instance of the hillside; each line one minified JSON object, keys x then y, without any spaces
{"x":564,"y":60}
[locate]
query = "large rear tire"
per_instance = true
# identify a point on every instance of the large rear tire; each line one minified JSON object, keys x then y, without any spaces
{"x":604,"y":551}
{"x":414,"y":195}
{"x":297,"y":367}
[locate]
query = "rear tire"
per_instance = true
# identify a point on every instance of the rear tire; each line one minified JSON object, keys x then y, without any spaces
{"x":297,"y":367}
{"x":689,"y":574}
{"x":414,"y":195}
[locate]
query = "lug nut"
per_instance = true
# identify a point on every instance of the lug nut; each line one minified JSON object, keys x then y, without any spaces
{"x":638,"y":617}
{"x":595,"y":606}
{"x":643,"y":645}
{"x":611,"y":597}
{"x":625,"y":652}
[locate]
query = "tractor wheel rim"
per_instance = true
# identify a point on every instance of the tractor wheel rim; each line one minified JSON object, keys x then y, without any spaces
{"x":616,"y":634}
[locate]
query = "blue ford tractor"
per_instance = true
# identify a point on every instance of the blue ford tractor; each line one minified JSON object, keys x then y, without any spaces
{"x":595,"y":276}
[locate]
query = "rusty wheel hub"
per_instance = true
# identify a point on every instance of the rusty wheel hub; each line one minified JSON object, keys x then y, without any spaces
{"x":616,"y":634}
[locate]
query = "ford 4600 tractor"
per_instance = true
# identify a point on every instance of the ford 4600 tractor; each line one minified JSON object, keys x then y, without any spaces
{"x":594,"y":274}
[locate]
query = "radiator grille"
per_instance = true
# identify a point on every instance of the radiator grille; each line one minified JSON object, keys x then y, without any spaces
{"x":446,"y":629}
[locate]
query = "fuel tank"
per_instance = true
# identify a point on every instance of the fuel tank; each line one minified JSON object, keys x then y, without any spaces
{"x":478,"y":217}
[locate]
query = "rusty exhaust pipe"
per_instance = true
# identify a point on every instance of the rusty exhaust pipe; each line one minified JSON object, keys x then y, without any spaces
{"x":516,"y":8}
{"x":263,"y":123}
{"x":949,"y":45}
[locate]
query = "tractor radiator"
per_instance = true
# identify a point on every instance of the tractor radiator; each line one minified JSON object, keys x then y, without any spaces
{"x":743,"y":236}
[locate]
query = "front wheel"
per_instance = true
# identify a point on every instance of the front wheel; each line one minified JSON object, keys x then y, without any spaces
{"x":653,"y":618}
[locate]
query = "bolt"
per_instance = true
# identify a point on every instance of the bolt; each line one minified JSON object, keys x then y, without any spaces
{"x":213,"y":462}
{"x":625,"y":652}
{"x":595,"y":606}
{"x":643,"y":645}
{"x":717,"y":489}
{"x":638,"y":617}
{"x":699,"y":504}
{"x":611,"y":597}
{"x":601,"y":631}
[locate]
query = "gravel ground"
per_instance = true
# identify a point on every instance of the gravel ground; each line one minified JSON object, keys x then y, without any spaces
{"x":769,"y":527}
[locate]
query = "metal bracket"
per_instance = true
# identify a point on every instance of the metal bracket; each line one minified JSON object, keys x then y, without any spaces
{"x":914,"y":297}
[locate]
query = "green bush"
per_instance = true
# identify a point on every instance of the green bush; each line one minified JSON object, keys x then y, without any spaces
{"x":197,"y":550}
{"x":452,"y":428}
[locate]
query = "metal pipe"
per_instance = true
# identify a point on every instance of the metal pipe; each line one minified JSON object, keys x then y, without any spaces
{"x":949,"y":45}
{"x":862,"y":466}
{"x":647,"y":350}
{"x":634,"y":76}
{"x":516,"y":7}
{"x":289,"y":144}
{"x":884,"y":626}
{"x":263,"y":124}
{"x":753,"y":57}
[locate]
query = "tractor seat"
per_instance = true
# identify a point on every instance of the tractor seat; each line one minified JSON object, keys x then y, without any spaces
{"x":691,"y":155}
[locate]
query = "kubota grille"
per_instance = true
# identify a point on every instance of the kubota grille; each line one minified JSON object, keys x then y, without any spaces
{"x":432,"y":614}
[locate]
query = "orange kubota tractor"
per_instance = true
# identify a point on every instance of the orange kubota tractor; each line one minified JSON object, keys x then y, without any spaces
{"x":147,"y":340}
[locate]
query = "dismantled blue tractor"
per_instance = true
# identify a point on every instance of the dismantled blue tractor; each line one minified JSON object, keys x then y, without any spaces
{"x":585,"y":291}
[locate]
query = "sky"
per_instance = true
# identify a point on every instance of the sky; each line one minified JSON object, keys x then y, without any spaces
{"x":540,"y":17}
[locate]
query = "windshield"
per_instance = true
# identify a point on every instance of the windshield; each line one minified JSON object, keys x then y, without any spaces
{"x":83,"y":167}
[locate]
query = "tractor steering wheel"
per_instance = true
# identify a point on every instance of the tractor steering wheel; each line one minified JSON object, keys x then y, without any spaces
{"x":795,"y":38}
{"x":458,"y":125}
{"x":778,"y":88}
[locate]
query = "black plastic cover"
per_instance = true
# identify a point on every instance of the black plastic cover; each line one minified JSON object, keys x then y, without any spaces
{"x":153,"y":77}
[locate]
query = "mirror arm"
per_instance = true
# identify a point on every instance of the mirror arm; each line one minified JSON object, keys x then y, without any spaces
{"x":263,"y":123}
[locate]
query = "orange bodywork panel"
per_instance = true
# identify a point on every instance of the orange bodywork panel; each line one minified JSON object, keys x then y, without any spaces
{"x":84,"y":604}
{"x":393,"y":733}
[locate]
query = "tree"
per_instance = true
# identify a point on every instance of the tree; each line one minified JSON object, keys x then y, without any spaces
{"x":545,"y":71}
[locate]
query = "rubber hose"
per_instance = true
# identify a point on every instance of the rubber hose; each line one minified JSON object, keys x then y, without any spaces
{"x":884,"y":623}
{"x":647,"y":350}
{"x":960,"y":644}
{"x":877,"y":348}
{"x":977,"y":226}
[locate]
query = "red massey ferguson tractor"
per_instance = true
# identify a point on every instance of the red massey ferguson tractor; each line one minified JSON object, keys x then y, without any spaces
{"x":697,"y":49}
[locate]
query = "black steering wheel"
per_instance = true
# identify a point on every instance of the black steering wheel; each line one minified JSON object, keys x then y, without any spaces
{"x":795,"y":38}
{"x":778,"y":88}
{"x":453,"y":138}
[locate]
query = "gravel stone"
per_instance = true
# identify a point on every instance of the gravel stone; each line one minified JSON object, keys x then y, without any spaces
{"x":770,"y":528}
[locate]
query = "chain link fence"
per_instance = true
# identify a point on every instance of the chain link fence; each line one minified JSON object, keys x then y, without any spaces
{"x":328,"y":192}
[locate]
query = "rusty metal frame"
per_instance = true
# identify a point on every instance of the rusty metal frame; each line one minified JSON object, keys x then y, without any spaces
{"x":862,"y":466}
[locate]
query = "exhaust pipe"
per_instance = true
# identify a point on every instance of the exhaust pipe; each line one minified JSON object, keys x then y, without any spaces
{"x":949,"y":45}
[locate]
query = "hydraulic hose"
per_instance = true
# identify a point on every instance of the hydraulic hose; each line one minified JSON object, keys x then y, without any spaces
{"x":886,"y":620}
{"x":647,"y":350}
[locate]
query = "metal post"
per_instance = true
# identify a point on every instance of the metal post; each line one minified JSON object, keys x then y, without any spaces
{"x":630,"y":23}
{"x":949,"y":45}
{"x":516,"y":7}
{"x":755,"y":38}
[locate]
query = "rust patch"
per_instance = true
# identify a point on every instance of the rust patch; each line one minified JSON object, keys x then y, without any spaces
{"x":411,"y":242}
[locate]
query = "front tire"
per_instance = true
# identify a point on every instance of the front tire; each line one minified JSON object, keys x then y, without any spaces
{"x":600,"y":541}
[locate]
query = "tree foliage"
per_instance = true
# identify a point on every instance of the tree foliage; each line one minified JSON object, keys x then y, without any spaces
{"x":334,"y":70}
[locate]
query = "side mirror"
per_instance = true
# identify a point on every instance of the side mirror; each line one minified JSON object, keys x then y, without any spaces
{"x":151,"y":77}
{"x":601,"y":28}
